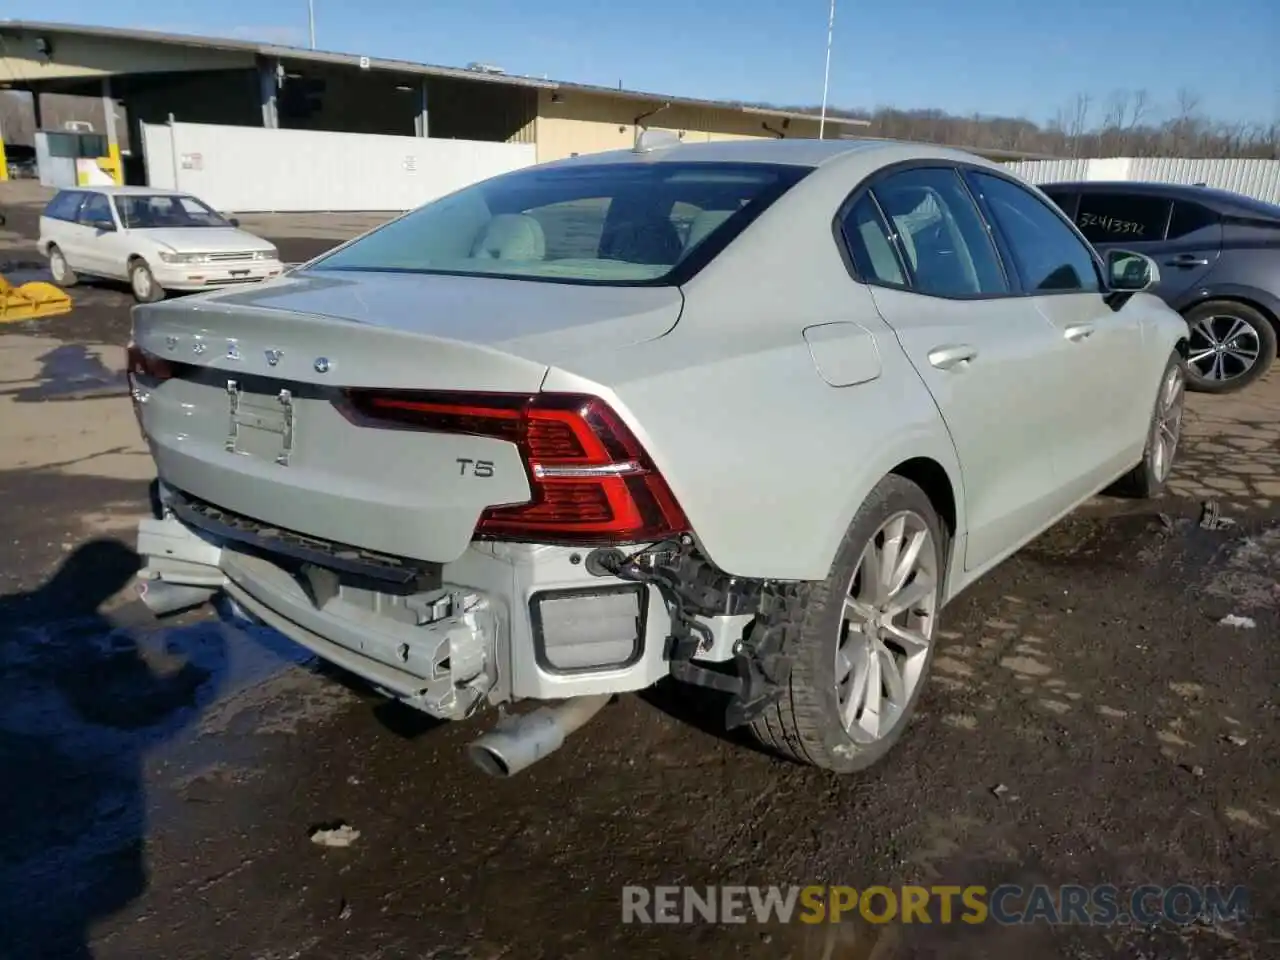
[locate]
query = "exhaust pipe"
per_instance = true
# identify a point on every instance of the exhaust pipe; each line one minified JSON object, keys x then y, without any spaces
{"x":163,"y":598}
{"x":518,"y":741}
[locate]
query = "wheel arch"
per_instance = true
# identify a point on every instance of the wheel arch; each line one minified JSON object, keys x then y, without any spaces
{"x":1259,"y":300}
{"x":936,"y":470}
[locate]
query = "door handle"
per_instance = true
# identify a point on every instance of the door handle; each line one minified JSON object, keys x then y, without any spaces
{"x":945,"y":358}
{"x":1188,"y":260}
{"x":1078,"y":332}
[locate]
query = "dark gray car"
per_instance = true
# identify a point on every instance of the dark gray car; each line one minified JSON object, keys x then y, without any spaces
{"x":1219,"y":257}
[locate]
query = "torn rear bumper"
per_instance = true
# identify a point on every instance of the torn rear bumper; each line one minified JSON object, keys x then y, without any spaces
{"x":503,"y":622}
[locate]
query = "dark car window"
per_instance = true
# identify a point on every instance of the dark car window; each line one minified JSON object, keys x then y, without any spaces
{"x":1188,"y":218}
{"x":940,"y":233}
{"x":1048,"y":255}
{"x":1121,"y":217}
{"x":1065,"y":199}
{"x":96,"y":208}
{"x":64,"y":205}
{"x":870,"y":248}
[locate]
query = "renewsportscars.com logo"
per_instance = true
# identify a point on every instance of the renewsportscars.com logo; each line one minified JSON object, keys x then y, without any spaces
{"x":1008,"y":904}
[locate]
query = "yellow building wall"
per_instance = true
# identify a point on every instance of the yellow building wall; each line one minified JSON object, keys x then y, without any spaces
{"x":590,"y":123}
{"x":76,"y":57}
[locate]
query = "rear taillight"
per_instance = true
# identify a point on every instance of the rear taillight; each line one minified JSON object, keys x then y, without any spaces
{"x":592,"y":481}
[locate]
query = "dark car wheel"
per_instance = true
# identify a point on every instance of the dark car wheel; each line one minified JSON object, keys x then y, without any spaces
{"x":1232,"y":345}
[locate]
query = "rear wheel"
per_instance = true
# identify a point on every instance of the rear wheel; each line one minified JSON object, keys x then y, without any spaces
{"x":145,"y":288}
{"x":861,"y":641}
{"x":62,"y":273}
{"x":1232,"y":345}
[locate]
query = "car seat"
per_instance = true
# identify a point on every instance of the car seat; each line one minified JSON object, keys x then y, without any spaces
{"x":511,"y":236}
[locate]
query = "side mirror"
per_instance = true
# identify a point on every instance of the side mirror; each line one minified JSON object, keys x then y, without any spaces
{"x":1129,"y":272}
{"x":234,"y":221}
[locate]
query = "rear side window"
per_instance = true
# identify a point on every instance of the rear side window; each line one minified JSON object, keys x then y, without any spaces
{"x":1121,"y":217}
{"x":940,"y":234}
{"x":1188,"y":218}
{"x":1049,"y":257}
{"x":64,"y":205}
{"x":869,"y":245}
{"x":609,"y":223}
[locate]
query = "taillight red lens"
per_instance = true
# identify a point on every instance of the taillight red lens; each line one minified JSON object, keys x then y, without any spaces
{"x":143,"y":364}
{"x":592,"y":481}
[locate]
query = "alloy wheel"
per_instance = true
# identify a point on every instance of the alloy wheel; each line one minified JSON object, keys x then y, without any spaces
{"x":886,"y":630}
{"x":1223,"y":347}
{"x":1168,"y":425}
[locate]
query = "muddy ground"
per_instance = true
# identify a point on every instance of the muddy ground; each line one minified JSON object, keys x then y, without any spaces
{"x":158,"y":782}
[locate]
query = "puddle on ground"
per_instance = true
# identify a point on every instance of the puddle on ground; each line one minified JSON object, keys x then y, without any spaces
{"x":18,"y":272}
{"x":72,"y":372}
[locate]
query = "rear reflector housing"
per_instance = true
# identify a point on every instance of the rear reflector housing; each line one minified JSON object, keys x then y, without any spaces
{"x":148,"y":366}
{"x":587,"y":630}
{"x":592,"y":482}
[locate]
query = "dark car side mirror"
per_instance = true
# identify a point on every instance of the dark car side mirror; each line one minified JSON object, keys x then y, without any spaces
{"x":106,"y":226}
{"x":234,"y":221}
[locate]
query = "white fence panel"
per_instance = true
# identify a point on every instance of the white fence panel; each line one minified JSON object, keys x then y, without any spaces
{"x":1048,"y":171}
{"x":1253,"y":178}
{"x":253,"y":169}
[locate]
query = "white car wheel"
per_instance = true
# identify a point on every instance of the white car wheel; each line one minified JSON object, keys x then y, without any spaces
{"x":63,"y":275}
{"x":145,"y":288}
{"x":860,"y":642}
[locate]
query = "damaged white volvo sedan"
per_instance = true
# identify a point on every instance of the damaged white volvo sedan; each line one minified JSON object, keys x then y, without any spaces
{"x":742,"y":414}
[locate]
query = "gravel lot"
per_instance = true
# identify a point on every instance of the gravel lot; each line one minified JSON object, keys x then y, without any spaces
{"x":158,"y":783}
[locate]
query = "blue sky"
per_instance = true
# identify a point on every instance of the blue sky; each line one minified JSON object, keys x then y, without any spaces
{"x":1010,"y":57}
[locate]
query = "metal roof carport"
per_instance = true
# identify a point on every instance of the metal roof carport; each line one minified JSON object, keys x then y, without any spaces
{"x":222,"y":81}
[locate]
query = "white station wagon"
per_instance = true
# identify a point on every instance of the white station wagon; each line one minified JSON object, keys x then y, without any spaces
{"x":157,"y":240}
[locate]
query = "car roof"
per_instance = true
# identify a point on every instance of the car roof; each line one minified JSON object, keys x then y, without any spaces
{"x":118,"y":191}
{"x":789,"y":151}
{"x":1222,"y":201}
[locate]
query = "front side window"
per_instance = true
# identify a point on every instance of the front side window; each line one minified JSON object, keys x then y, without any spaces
{"x":1122,"y":218}
{"x":610,"y":223}
{"x":141,"y":211}
{"x":1048,"y":256}
{"x":96,"y":209}
{"x":941,"y":234}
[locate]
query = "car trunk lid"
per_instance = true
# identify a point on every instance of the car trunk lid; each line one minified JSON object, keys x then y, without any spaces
{"x":255,"y":422}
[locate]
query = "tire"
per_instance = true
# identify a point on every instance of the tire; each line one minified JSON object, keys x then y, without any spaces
{"x":1147,"y":480}
{"x":143,"y":283}
{"x":1232,"y":345}
{"x":63,"y":275}
{"x":806,"y":725}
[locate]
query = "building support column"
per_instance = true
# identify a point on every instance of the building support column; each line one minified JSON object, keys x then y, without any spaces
{"x":36,"y":113}
{"x":268,"y":91}
{"x":421,"y":127}
{"x":113,"y":141}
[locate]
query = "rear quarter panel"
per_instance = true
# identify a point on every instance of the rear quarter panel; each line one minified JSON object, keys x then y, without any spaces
{"x":768,"y":460}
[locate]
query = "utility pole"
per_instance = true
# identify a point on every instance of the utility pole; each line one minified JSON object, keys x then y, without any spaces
{"x":826,"y":80}
{"x":311,"y":21}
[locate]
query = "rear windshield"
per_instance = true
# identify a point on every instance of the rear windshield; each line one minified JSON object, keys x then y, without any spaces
{"x":609,"y":223}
